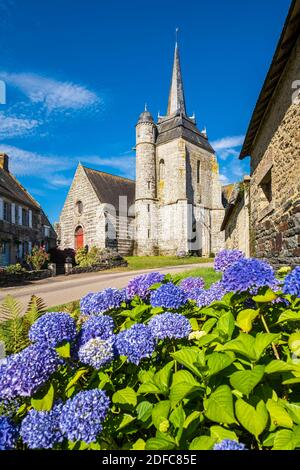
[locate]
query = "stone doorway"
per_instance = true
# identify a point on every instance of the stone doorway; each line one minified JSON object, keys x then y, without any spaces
{"x":79,"y":238}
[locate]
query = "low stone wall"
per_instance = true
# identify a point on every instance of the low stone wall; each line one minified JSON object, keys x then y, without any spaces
{"x":9,"y":280}
{"x":100,"y":267}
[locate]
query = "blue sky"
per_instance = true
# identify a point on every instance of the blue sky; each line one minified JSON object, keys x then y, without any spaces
{"x":79,"y":72}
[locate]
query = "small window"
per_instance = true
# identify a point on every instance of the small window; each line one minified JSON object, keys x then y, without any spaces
{"x":148,"y":207}
{"x":149,"y":184}
{"x":17,"y":215}
{"x":79,"y":207}
{"x":266,"y":186}
{"x":162,"y":170}
{"x":198,"y":172}
{"x":25,"y":217}
{"x":7,"y":211}
{"x":148,"y":233}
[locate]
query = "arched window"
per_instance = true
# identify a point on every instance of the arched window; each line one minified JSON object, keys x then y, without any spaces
{"x":79,"y":238}
{"x":79,"y":207}
{"x":162,"y":169}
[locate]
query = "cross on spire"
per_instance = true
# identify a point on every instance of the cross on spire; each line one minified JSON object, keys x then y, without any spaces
{"x":176,"y":97}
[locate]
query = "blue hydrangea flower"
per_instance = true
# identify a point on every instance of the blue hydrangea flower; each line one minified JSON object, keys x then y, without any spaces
{"x":228,"y":444}
{"x":170,"y":325}
{"x":25,"y":372}
{"x":8,"y":434}
{"x":190,"y":283}
{"x":140,"y":285}
{"x":96,"y":327}
{"x":102,"y":302}
{"x":53,"y":329}
{"x":85,"y":304}
{"x":168,"y":296}
{"x":249,"y":274}
{"x":136,"y":343}
{"x":40,"y":429}
{"x":291,"y":284}
{"x":205,"y":297}
{"x":227,"y":258}
{"x":82,"y":416}
{"x":97,"y":352}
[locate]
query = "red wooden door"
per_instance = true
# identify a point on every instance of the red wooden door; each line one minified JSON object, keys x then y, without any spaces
{"x":79,"y":238}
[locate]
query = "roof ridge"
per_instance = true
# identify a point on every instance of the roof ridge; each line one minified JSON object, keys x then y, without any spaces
{"x":34,"y":202}
{"x":109,"y":174}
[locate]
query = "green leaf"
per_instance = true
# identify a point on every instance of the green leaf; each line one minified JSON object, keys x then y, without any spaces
{"x":181,"y":390}
{"x":140,"y":444}
{"x":148,"y":387}
{"x":243,"y":345}
{"x":245,"y":380}
{"x":144,"y":410}
{"x":163,"y":377}
{"x":218,"y":361}
{"x":125,"y":396}
{"x":226,"y":324}
{"x":146,"y":375}
{"x":283,"y":440}
{"x":245,"y":319}
{"x":43,"y":399}
{"x":219,"y":406}
{"x":294,"y":411}
{"x":262,"y":341}
{"x":219,"y":433}
{"x":294,"y":343}
{"x":80,"y":373}
{"x":160,"y":412}
{"x":194,"y":324}
{"x":278,"y":414}
{"x":253,"y":419}
{"x":209,"y":324}
{"x":184,"y":376}
{"x":202,"y":443}
{"x":158,"y":443}
{"x":268,"y":296}
{"x":177,"y":417}
{"x":195,"y":415}
{"x":289,"y":315}
{"x":190,"y":358}
{"x":126,"y":419}
{"x":277,"y":366}
{"x":295,"y":380}
{"x":64,"y":350}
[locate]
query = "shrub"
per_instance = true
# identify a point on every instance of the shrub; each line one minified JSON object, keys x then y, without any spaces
{"x":38,"y":257}
{"x":86,"y":258}
{"x":225,"y":376}
{"x":14,"y":269}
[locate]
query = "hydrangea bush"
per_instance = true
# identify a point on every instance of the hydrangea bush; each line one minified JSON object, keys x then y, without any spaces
{"x":163,"y":364}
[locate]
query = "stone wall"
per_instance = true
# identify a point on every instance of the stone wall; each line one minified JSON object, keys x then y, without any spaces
{"x":237,"y":227}
{"x":275,"y":221}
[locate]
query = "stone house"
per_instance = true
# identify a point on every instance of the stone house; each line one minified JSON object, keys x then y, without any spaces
{"x":175,"y":205}
{"x":273,"y":144}
{"x":23,"y":224}
{"x":95,"y":212}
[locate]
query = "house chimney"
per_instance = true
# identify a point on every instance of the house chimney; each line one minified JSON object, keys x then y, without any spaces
{"x":4,"y":161}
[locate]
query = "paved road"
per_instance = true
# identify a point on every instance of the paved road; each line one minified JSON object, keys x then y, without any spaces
{"x":60,"y":290}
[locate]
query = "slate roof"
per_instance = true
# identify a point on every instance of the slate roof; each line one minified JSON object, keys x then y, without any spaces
{"x":282,"y":54}
{"x":13,"y":190}
{"x":109,"y":187}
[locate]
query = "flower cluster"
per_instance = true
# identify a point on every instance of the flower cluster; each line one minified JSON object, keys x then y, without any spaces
{"x":96,"y":327}
{"x":203,"y":297}
{"x":228,"y":444}
{"x":101,"y":302}
{"x":96,"y":352}
{"x":140,"y":285}
{"x":40,"y":429}
{"x":249,"y":274}
{"x":168,"y":296}
{"x":24,"y":373}
{"x":136,"y":343}
{"x":82,"y":416}
{"x":53,"y":328}
{"x":8,"y":434}
{"x":292,"y":283}
{"x":190,"y":283}
{"x":170,"y":325}
{"x":226,"y":258}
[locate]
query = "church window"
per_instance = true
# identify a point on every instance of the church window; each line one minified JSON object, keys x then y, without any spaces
{"x":148,"y":233}
{"x":266,"y":186}
{"x":79,"y":207}
{"x":148,"y":207}
{"x":198,"y":171}
{"x":149,"y":184}
{"x":161,"y":169}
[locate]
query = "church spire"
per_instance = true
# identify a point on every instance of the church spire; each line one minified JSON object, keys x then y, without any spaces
{"x":176,"y":97}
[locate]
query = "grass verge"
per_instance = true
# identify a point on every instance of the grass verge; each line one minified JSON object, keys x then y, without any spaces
{"x":148,"y":262}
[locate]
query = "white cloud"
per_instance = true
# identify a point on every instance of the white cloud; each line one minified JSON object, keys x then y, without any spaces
{"x":223,"y":154}
{"x":11,"y":126}
{"x":228,"y":142}
{"x":223,"y":179}
{"x":52,"y":94}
